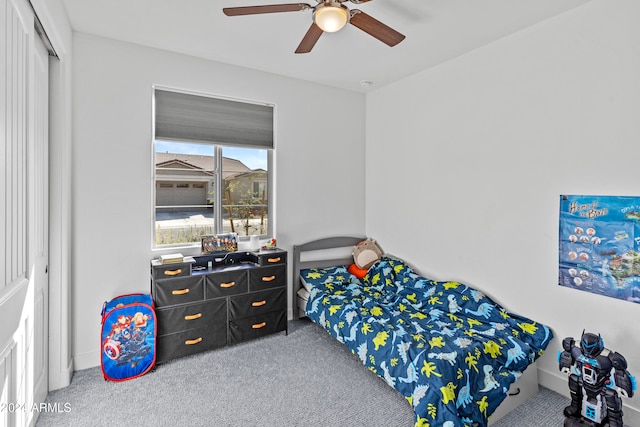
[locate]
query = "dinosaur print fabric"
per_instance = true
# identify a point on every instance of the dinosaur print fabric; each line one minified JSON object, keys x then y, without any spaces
{"x":449,"y":349}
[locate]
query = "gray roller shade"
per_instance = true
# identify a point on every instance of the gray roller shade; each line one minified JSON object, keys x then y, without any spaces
{"x":187,"y":117}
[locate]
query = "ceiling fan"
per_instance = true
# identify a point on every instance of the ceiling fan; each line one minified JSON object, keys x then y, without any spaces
{"x":328,"y":16}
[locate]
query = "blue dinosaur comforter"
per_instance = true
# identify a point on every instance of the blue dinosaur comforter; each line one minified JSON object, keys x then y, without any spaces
{"x":449,"y":349}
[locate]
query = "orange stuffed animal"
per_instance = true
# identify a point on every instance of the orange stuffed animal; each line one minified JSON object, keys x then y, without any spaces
{"x":358,"y":272}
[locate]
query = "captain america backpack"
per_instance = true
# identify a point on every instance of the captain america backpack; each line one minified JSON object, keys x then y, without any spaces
{"x":128,"y":338}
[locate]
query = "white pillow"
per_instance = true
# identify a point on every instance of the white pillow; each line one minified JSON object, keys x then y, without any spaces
{"x":303,"y":293}
{"x":305,"y":285}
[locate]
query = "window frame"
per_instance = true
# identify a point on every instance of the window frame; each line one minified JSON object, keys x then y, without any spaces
{"x":194,"y":247}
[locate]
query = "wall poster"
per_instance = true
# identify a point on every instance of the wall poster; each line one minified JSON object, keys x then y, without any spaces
{"x":599,"y":245}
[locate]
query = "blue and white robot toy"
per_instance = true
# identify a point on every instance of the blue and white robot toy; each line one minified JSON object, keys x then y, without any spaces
{"x":597,"y":379}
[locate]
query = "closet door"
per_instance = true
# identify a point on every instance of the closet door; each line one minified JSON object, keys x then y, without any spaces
{"x":23,"y":214}
{"x":38,"y":233}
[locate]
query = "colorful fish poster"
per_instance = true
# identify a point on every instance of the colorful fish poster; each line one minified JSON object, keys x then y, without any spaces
{"x":599,"y":245}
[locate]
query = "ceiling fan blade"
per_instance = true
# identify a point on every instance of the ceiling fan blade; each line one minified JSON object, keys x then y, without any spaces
{"x":359,"y":1}
{"x":375,"y":28}
{"x":269,"y":8}
{"x":309,"y":40}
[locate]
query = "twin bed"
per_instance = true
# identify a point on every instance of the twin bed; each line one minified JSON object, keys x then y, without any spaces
{"x":450,"y":350}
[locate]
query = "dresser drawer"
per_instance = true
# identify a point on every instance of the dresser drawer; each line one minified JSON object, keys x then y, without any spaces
{"x":191,"y":316}
{"x":257,"y":326}
{"x":267,"y":277}
{"x":190,"y":342}
{"x":226,"y":283}
{"x":168,"y":271}
{"x":272,"y":257}
{"x":257,"y":303}
{"x":178,"y":291}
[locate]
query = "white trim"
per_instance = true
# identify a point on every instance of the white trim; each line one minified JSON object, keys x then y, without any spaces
{"x":53,"y":17}
{"x":7,"y":349}
{"x":60,"y":359}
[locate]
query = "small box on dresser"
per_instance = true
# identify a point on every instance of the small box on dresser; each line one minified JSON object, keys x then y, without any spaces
{"x":214,"y":301}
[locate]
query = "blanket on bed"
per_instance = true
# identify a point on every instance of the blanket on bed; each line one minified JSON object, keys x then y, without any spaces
{"x":449,"y":349}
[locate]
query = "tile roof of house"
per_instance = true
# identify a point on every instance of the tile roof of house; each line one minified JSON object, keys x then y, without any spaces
{"x":230,"y":166}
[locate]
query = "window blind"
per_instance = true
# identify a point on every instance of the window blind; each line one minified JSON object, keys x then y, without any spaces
{"x":187,"y":117}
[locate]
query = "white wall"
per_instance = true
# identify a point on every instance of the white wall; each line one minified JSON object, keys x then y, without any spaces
{"x":112,"y":175}
{"x":466,"y":161}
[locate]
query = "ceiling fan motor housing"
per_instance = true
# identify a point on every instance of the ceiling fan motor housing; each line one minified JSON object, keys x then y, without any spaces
{"x":331,"y":16}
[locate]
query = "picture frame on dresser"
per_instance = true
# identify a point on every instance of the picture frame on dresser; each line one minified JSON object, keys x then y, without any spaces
{"x":219,"y":243}
{"x":217,"y":300}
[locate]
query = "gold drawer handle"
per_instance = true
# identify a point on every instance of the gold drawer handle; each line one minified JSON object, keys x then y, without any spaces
{"x":227,"y":285}
{"x":172,"y":272}
{"x":193,"y":316}
{"x":192,"y":342}
{"x":180,"y":291}
{"x":258,"y":303}
{"x":273,"y":259}
{"x":268,"y":278}
{"x":259,"y":325}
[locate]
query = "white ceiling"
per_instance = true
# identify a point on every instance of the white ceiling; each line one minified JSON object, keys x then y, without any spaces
{"x":435,"y":30}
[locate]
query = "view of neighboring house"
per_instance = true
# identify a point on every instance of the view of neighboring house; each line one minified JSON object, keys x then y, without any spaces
{"x":186,"y":180}
{"x":185,"y":186}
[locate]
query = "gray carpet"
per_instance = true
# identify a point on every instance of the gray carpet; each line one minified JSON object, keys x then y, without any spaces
{"x":304,"y":379}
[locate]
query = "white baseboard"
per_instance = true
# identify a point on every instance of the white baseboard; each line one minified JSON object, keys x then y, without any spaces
{"x":560,"y":384}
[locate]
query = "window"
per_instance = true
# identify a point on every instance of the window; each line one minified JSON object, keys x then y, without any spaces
{"x":213,"y":185}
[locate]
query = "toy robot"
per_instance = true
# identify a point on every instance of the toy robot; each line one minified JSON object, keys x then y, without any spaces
{"x":599,"y":375}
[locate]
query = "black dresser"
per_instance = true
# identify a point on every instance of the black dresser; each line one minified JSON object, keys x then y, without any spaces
{"x":217,"y":300}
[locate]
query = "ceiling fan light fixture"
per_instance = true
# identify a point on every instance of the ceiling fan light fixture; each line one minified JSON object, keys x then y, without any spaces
{"x":331,"y":17}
